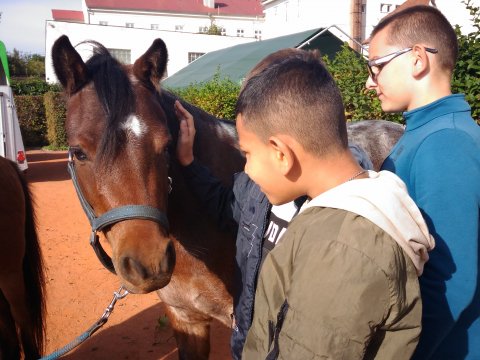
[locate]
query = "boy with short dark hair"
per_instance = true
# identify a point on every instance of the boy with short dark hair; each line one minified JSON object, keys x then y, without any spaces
{"x":259,"y":225}
{"x":412,"y":57}
{"x":343,"y":283}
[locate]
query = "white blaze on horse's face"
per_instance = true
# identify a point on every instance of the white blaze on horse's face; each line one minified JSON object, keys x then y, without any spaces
{"x":135,"y":126}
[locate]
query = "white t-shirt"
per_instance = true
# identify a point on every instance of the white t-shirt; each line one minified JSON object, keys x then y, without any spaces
{"x":280,"y":217}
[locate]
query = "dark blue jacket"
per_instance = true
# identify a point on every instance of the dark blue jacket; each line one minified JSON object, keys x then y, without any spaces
{"x":247,"y":207}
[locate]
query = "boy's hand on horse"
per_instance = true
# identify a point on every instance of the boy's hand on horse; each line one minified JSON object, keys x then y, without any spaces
{"x":186,"y":135}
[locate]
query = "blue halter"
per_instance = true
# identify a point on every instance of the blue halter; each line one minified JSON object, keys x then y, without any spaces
{"x":113,"y":216}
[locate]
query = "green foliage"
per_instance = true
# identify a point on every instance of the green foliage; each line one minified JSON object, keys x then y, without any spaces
{"x":162,"y":322}
{"x":31,"y":117}
{"x":217,"y":96}
{"x":350,"y":72}
{"x":32,"y":86}
{"x":55,"y":111}
{"x":23,"y":64}
{"x":214,"y":30}
{"x":466,"y":77}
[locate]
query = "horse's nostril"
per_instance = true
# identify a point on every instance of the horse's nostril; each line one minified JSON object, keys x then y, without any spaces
{"x":167,"y":263}
{"x":133,"y":269}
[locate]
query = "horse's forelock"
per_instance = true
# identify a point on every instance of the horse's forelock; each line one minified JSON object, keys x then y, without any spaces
{"x":116,"y":95}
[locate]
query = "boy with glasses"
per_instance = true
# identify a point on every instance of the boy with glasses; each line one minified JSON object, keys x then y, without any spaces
{"x":412,"y":57}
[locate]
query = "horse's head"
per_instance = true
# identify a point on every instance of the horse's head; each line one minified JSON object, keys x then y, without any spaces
{"x":118,"y":140}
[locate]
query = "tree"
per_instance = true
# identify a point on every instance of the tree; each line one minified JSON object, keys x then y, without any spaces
{"x":214,"y":30}
{"x":466,"y":77}
{"x":21,"y":64}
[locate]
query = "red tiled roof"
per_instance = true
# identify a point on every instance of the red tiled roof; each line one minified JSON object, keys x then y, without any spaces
{"x":223,"y":7}
{"x":67,"y":15}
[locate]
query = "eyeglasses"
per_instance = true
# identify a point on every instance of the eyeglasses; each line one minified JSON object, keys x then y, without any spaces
{"x":376,"y":65}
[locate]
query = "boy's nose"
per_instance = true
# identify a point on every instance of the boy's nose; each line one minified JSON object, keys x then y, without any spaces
{"x":370,"y":84}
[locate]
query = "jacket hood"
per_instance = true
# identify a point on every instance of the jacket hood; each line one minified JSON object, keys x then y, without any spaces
{"x":383,"y":199}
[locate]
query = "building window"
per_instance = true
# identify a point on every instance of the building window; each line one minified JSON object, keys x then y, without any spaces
{"x":103,"y":23}
{"x":122,"y":55}
{"x":203,"y":29}
{"x":178,"y":27}
{"x":154,"y":26}
{"x":129,"y":25}
{"x":240,"y":32}
{"x":364,"y":8}
{"x":258,"y":34}
{"x":192,"y":56}
{"x":385,"y":8}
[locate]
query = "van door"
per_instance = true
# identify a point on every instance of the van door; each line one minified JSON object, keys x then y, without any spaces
{"x":11,"y":145}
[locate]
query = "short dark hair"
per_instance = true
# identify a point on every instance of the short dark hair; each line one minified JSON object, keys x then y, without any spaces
{"x":296,"y":96}
{"x":424,"y":25}
{"x":271,"y":59}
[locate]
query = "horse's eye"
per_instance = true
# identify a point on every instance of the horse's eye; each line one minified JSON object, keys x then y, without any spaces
{"x":79,"y":155}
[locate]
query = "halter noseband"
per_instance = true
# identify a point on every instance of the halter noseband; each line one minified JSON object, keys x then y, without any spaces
{"x":113,"y":216}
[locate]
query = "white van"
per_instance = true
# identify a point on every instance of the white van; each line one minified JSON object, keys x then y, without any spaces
{"x":11,"y":144}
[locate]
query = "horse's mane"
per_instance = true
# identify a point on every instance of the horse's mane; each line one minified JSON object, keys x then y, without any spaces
{"x":116,"y":96}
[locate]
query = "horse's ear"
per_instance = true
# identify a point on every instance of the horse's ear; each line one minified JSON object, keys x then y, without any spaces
{"x":69,"y":67}
{"x":151,"y":66}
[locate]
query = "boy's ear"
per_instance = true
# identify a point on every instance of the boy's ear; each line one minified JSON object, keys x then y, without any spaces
{"x":283,"y":155}
{"x":421,"y":63}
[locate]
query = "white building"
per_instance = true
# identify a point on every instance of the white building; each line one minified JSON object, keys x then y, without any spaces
{"x":356,"y":18}
{"x":128,"y":28}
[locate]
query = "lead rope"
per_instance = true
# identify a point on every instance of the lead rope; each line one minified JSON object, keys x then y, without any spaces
{"x":117,"y":295}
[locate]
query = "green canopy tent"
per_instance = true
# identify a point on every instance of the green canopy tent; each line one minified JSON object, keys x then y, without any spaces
{"x":235,"y":62}
{"x":4,"y":72}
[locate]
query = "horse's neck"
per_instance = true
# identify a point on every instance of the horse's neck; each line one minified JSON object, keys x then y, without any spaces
{"x":217,"y":146}
{"x":216,"y":141}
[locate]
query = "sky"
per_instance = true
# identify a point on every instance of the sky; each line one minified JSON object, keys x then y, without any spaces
{"x":22,"y":25}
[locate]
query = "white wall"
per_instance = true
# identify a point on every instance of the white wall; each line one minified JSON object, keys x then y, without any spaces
{"x":190,"y":23}
{"x":179,"y":44}
{"x":289,"y":16}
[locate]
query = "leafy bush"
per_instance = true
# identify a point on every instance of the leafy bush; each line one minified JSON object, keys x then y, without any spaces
{"x":217,"y":96}
{"x":55,"y":111}
{"x":349,"y":70}
{"x":32,"y":86}
{"x":466,"y":77}
{"x":31,"y":117}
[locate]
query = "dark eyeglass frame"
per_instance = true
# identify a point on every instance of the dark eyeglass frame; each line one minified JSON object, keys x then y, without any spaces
{"x":384,"y":60}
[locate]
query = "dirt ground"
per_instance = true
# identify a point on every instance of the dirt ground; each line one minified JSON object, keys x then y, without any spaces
{"x":79,"y":288}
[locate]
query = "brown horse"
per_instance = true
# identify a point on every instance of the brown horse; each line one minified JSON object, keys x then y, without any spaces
{"x":122,"y":129}
{"x":22,"y":279}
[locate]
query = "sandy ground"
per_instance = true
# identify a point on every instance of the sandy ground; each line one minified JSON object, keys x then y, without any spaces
{"x":79,"y":288}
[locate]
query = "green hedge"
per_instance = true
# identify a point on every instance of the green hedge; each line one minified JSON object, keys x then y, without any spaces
{"x":349,"y":70}
{"x":466,"y":77}
{"x":217,"y":96}
{"x":31,"y":117}
{"x":32,"y":86}
{"x":55,"y":111}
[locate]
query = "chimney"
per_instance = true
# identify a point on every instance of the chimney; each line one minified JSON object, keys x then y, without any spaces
{"x":209,"y":3}
{"x":356,"y":25}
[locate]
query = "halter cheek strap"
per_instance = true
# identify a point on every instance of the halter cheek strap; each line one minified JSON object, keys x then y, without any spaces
{"x":112,"y":216}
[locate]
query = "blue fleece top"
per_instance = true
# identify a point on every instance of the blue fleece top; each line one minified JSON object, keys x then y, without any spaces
{"x":438,"y":158}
